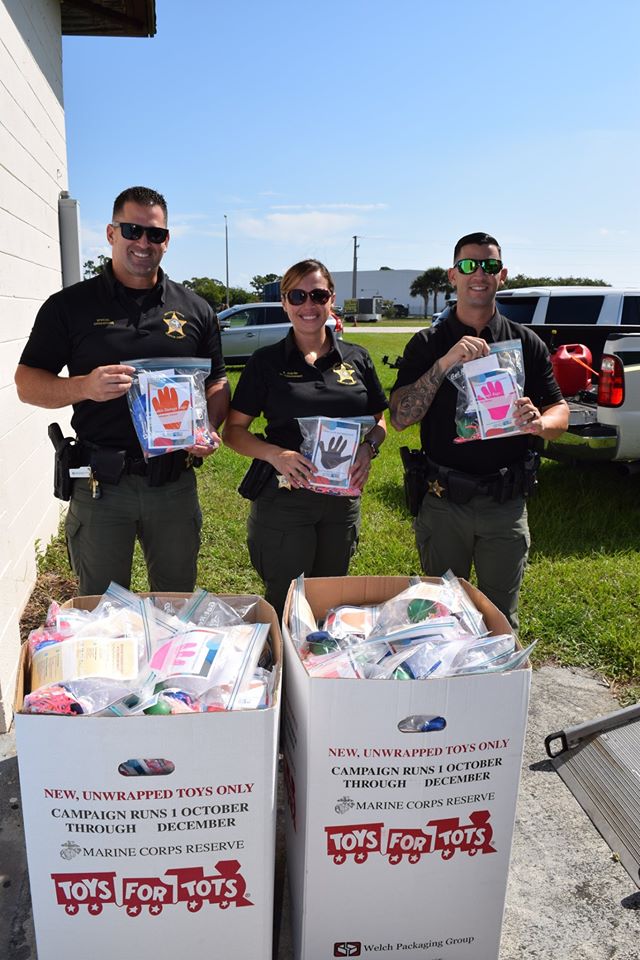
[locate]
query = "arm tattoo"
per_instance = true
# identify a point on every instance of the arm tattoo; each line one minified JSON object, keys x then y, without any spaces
{"x":411,"y":403}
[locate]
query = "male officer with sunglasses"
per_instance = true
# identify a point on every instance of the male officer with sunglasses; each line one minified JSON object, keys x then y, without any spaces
{"x":474,"y":505}
{"x":129,"y":311}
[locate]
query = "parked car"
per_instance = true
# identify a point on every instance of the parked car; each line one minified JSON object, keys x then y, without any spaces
{"x":248,"y":326}
{"x":564,"y":315}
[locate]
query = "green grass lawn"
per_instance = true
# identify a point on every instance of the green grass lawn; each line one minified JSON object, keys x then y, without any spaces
{"x":581,"y":593}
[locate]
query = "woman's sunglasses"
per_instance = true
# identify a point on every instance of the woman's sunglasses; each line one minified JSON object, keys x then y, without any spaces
{"x":468,"y":266}
{"x":133,"y":231}
{"x":297,"y":297}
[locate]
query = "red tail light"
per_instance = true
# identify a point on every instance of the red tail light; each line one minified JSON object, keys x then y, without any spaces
{"x":611,"y":384}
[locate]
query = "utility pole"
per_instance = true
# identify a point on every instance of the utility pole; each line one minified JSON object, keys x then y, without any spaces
{"x":354,"y":275}
{"x":354,"y":280}
{"x":226,"y":254}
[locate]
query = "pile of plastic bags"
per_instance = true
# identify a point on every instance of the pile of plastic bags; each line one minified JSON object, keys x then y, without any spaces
{"x":431,"y":629}
{"x":153,"y":655}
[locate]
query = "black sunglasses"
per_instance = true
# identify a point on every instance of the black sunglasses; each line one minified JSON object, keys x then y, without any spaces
{"x":468,"y":266}
{"x":298,"y":297}
{"x":133,"y":231}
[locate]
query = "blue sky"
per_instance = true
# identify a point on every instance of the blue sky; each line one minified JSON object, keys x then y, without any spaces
{"x":407,"y":124}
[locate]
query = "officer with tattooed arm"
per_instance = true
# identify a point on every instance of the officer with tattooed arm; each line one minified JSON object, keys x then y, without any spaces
{"x":474,"y":506}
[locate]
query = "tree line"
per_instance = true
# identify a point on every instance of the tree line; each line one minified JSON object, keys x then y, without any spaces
{"x":435,"y":280}
{"x":210,"y":289}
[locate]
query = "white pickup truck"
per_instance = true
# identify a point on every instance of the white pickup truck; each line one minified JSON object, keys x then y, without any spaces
{"x":604,"y":423}
{"x":605,"y":419}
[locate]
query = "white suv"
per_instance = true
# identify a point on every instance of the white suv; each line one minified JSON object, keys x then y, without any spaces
{"x":248,"y":326}
{"x":577,"y":314}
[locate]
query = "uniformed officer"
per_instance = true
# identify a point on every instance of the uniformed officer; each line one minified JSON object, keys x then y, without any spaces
{"x":130,"y":311}
{"x":474,"y":510}
{"x":293,"y":529}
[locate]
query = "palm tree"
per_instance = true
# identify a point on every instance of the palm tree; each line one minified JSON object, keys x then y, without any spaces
{"x":433,"y":281}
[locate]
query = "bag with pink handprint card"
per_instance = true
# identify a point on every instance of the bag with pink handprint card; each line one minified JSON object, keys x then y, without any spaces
{"x":168,"y":403}
{"x":487,"y":391}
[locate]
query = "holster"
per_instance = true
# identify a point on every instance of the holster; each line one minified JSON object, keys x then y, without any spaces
{"x":69,"y":453}
{"x":255,"y":479}
{"x":416,"y":471}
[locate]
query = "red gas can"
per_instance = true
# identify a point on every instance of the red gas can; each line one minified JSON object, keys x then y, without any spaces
{"x":572,"y":377}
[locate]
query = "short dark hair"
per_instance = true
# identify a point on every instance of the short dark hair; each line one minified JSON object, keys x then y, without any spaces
{"x":479,"y":239}
{"x":144,"y":196}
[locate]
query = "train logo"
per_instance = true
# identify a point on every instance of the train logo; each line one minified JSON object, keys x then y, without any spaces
{"x":190,"y":886}
{"x":446,"y":837}
{"x":357,"y":840}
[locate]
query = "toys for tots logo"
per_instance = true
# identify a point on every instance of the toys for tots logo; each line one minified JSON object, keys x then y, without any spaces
{"x":189,"y":886}
{"x":446,"y":837}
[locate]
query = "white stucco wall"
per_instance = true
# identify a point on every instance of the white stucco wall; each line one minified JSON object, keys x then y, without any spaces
{"x":33,"y":171}
{"x":390,"y":284}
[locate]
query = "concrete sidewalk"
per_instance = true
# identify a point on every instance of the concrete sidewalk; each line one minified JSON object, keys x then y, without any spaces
{"x":568,"y":897}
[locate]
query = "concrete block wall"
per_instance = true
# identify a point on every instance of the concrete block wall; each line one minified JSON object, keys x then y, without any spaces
{"x":33,"y":172}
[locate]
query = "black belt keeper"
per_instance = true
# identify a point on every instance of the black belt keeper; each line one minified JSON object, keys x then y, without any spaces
{"x":169,"y":467}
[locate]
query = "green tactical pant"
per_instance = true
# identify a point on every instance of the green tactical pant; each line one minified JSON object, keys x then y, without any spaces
{"x":493,"y":536}
{"x":298,"y":531}
{"x":101,"y":533}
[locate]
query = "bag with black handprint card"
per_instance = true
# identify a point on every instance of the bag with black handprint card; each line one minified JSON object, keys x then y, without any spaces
{"x":168,"y":404}
{"x":487,"y":391}
{"x":331,"y":445}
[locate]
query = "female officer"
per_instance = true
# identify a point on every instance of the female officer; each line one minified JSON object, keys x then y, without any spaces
{"x":291,"y":528}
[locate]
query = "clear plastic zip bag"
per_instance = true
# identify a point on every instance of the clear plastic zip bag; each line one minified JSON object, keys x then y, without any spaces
{"x":168,"y":404}
{"x":487,"y":390}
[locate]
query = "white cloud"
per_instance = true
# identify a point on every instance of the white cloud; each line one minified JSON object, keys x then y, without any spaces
{"x":300,"y":228}
{"x":361,"y":207}
{"x":93,"y":241}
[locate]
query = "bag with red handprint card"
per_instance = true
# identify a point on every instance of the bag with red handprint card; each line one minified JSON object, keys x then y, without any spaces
{"x":487,"y":391}
{"x":168,"y":403}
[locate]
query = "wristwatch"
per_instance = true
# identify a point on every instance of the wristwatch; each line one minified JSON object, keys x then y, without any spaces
{"x":375,"y":449}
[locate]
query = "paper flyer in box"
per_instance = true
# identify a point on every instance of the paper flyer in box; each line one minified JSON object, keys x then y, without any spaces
{"x":170,"y":410}
{"x":334,"y":451}
{"x":115,"y":658}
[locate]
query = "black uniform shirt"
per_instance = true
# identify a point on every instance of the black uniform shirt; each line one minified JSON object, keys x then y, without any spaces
{"x":98,"y":322}
{"x":279,"y":383}
{"x":438,"y":429}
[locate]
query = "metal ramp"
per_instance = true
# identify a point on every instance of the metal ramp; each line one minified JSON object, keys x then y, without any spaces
{"x":599,"y":762}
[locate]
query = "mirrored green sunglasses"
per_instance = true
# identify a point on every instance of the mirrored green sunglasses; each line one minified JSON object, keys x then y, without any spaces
{"x":468,"y":265}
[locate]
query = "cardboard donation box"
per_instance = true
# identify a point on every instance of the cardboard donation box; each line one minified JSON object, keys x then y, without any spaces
{"x":399,"y":841}
{"x":175,"y":864}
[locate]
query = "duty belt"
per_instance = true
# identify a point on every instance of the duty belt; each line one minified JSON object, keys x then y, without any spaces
{"x":109,"y":465}
{"x":516,"y":480}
